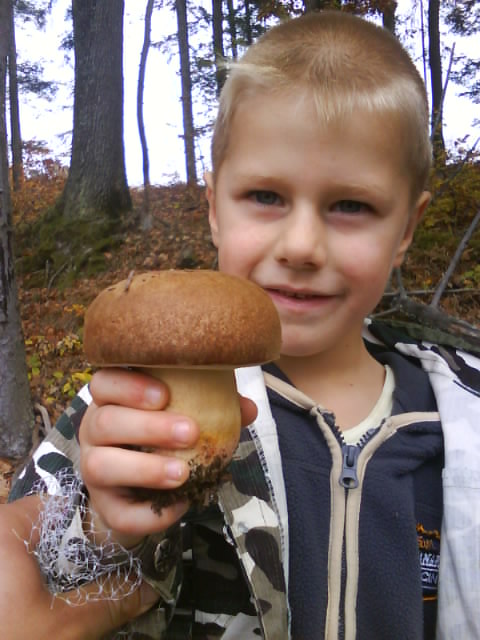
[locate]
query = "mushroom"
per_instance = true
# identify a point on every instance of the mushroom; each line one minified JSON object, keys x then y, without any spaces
{"x":190,"y":329}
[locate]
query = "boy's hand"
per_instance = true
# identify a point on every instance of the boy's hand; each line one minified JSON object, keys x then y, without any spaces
{"x":126,"y":412}
{"x":28,"y":610}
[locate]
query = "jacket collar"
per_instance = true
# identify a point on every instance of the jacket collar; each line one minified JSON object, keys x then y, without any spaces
{"x":256,"y":514}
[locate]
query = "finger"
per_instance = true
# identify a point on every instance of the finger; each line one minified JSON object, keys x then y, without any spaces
{"x":114,"y":425}
{"x":120,"y":611}
{"x":128,"y":388}
{"x":130,"y":520}
{"x":98,"y":616}
{"x":22,"y":514}
{"x":249,"y":410}
{"x":108,"y":467}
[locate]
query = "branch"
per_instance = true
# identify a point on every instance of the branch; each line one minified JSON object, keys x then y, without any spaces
{"x":462,"y":333}
{"x":453,"y":264}
{"x":47,"y":425}
{"x":401,"y":287}
{"x":427,"y":292}
{"x":57,"y":273}
{"x":439,"y":113}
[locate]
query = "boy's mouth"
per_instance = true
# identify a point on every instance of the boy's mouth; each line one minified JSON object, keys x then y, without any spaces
{"x":296,"y":295}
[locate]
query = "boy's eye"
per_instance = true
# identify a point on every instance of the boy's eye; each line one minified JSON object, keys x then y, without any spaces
{"x":350,"y":206}
{"x":268,"y":198}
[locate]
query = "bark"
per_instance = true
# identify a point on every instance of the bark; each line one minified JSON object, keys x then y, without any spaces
{"x":16,"y":415}
{"x":146,"y":218}
{"x":188,"y":128}
{"x":16,"y":142}
{"x":389,"y":17}
{"x":232,"y":29}
{"x":248,"y":23}
{"x":316,"y":5}
{"x":218,"y":50}
{"x":435,"y":62}
{"x":97,"y":187}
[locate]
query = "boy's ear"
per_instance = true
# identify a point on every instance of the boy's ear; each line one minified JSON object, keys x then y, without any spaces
{"x":416,"y":214}
{"x":212,"y":212}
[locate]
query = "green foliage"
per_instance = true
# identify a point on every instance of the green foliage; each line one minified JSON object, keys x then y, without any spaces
{"x":35,"y":12}
{"x":29,"y":76}
{"x":472,"y":276}
{"x":59,"y":385}
{"x":463,"y":18}
{"x":455,"y":188}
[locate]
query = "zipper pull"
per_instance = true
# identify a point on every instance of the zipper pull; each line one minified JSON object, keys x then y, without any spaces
{"x":348,"y":477}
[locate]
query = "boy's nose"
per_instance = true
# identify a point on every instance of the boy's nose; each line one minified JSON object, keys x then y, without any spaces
{"x":302,"y":241}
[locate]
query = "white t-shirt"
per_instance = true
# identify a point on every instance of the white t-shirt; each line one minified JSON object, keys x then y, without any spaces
{"x":381,"y":410}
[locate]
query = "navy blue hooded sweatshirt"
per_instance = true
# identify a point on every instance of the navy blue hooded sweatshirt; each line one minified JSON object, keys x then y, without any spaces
{"x":399,"y":512}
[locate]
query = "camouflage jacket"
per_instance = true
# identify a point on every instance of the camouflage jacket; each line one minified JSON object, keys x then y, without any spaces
{"x":235,"y":554}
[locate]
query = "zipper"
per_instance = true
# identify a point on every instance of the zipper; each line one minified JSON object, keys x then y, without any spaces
{"x":353,"y":466}
{"x":350,"y":452}
{"x":348,"y":468}
{"x":348,"y":478}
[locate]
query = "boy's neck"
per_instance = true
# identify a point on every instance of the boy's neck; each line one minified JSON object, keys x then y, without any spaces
{"x":348,"y":384}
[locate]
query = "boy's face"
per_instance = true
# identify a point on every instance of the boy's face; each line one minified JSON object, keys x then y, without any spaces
{"x":318,"y":218}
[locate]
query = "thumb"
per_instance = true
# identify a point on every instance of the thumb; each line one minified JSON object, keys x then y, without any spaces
{"x":133,"y":605}
{"x":103,"y":616}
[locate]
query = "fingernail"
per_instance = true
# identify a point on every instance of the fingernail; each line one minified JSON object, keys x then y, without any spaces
{"x":148,"y":596}
{"x":181,"y":432}
{"x":154,"y":396}
{"x":174,"y":469}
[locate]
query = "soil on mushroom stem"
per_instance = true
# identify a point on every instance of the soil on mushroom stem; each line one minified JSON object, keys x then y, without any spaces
{"x":199,"y":489}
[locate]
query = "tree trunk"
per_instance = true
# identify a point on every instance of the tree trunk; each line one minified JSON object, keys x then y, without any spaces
{"x":188,"y":128}
{"x":317,"y":5}
{"x":16,"y":142}
{"x":435,"y":61}
{"x":388,"y":15}
{"x":248,"y":23}
{"x":232,"y":29}
{"x":16,"y":416}
{"x":146,"y":217}
{"x":96,"y":187}
{"x":218,"y":50}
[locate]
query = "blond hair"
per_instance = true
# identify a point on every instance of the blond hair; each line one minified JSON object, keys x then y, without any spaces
{"x":346,"y":64}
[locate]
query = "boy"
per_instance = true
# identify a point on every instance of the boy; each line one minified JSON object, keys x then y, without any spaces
{"x":320,"y":160}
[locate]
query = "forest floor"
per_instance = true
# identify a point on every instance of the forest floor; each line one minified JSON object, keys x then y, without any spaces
{"x":53,"y":317}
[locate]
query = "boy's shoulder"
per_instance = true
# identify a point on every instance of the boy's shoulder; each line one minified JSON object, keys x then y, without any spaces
{"x":393,"y":331}
{"x":452,"y":356}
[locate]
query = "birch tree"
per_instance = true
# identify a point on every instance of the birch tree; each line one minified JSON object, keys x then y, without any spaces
{"x":16,"y":416}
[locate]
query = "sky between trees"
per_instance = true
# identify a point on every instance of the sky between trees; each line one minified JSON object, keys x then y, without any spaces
{"x":52,"y":122}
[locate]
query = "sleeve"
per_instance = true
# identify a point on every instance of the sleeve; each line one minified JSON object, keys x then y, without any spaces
{"x":58,"y":453}
{"x":66,"y":555}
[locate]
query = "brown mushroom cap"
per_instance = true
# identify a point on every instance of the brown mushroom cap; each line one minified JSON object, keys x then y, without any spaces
{"x":182,"y":318}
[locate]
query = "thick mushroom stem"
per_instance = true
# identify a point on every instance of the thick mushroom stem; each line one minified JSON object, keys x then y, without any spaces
{"x":209,"y":396}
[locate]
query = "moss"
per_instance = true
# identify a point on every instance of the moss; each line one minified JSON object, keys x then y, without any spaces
{"x":54,"y":248}
{"x":430,"y":238}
